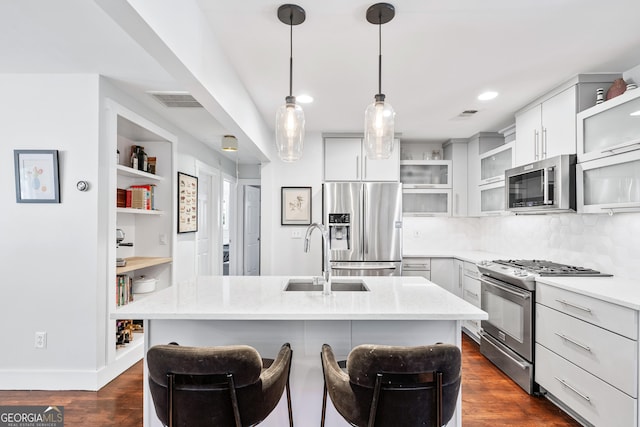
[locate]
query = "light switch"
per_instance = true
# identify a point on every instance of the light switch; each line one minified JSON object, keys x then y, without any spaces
{"x":296,"y":234}
{"x":163,"y":239}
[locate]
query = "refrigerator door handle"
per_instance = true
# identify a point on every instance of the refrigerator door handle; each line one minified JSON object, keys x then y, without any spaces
{"x":363,"y":267}
{"x":365,"y":239}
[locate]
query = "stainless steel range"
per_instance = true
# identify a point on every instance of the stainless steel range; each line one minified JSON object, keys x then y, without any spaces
{"x":508,"y":296}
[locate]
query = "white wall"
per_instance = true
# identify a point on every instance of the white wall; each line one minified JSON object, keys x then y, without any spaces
{"x":439,"y":235}
{"x":280,"y":254}
{"x":49,"y":255}
{"x":54,"y":255}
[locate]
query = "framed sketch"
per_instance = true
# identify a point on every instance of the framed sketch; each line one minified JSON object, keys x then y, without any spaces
{"x":187,"y":203}
{"x":296,"y":206}
{"x":37,"y":176}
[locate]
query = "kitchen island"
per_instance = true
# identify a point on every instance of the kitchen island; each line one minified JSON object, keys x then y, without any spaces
{"x":222,"y":310}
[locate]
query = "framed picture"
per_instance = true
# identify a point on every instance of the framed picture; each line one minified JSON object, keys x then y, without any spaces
{"x":37,"y":176}
{"x":296,"y":206}
{"x":187,"y":203}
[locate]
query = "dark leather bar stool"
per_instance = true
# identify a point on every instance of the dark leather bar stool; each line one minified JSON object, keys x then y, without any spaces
{"x":394,"y":386}
{"x":216,"y":386}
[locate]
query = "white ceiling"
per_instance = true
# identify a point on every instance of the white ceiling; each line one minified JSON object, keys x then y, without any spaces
{"x":437,"y":56}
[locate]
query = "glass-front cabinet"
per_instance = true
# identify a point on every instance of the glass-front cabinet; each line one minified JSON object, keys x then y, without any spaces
{"x":610,"y":184}
{"x":612,"y":127}
{"x":426,"y":202}
{"x":425,"y":173}
{"x":493,"y":163}
{"x":492,"y":199}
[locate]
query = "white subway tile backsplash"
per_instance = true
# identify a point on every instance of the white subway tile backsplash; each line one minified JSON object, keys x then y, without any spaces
{"x":610,"y":244}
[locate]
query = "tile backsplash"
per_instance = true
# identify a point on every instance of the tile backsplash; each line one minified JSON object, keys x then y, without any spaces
{"x":610,"y":244}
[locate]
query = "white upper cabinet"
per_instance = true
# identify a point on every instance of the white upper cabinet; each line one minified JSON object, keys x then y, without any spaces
{"x":612,"y":127}
{"x":345,"y":160}
{"x":425,"y":173}
{"x":547,"y":129}
{"x":493,"y":163}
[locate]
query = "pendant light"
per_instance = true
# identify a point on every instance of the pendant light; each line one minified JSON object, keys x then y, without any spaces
{"x":229,"y":143}
{"x":290,"y":117}
{"x":379,"y":116}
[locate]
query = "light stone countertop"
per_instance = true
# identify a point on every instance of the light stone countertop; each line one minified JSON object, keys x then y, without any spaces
{"x":469,"y":256}
{"x":263,"y":298}
{"x":616,"y":290}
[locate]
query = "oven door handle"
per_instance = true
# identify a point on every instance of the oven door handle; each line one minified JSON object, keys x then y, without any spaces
{"x":523,"y":295}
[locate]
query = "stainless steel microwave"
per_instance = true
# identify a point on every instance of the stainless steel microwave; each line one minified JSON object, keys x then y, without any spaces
{"x":545,"y":186}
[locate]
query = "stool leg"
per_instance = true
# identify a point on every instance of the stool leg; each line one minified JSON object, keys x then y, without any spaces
{"x":324,"y":404}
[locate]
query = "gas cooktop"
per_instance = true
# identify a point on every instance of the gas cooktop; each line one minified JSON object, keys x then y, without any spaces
{"x":548,"y":268}
{"x":523,"y":273}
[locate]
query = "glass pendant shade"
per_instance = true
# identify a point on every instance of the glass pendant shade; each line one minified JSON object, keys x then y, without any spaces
{"x":379,"y":129}
{"x":289,"y":130}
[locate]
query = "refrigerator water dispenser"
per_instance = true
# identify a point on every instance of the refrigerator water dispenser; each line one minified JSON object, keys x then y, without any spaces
{"x":339,"y":231}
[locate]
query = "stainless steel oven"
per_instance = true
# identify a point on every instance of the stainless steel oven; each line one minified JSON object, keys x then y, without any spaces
{"x":507,"y":336}
{"x":508,"y":296}
{"x":544,"y":186}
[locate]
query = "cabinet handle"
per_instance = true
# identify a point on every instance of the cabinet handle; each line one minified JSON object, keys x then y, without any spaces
{"x":535,"y":144}
{"x":566,"y":338}
{"x":420,"y":266}
{"x":358,"y":167}
{"x":471,"y":293}
{"x":579,"y":307}
{"x":544,"y":143}
{"x":460,"y":276}
{"x":582,"y":395}
{"x":423,"y":186}
{"x":620,"y":208}
{"x":622,"y":147}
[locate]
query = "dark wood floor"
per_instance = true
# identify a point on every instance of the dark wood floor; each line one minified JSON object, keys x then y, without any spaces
{"x":489,"y":398}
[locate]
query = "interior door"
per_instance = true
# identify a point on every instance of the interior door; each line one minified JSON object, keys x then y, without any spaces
{"x":251,"y":231}
{"x":208,"y":222}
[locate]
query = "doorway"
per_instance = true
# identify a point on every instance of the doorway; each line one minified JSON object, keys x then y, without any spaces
{"x":251,"y":230}
{"x":208,"y":254}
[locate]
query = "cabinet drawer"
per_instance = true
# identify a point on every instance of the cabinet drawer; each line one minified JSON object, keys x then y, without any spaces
{"x":596,"y":401}
{"x":608,"y":356}
{"x":612,"y":317}
{"x":471,"y":290}
{"x":411,"y":263}
{"x":470,"y":269}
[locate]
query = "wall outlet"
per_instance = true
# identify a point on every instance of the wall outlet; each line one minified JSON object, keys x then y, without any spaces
{"x":296,"y":234}
{"x":163,"y":239}
{"x":41,"y":340}
{"x":416,"y":234}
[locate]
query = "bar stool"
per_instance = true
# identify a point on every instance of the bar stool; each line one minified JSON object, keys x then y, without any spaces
{"x":393,"y":386}
{"x":217,"y":386}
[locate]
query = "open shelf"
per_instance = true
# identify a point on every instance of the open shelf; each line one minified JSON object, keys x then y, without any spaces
{"x":135,"y":173}
{"x":136,"y":263}
{"x":135,"y":347}
{"x":139,"y":211}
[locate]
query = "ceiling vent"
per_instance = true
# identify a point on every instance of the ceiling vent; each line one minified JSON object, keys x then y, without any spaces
{"x":468,"y":113}
{"x":176,"y":99}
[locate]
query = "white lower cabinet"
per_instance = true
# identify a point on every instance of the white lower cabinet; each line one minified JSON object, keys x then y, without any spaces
{"x":587,"y":395}
{"x":416,"y":266}
{"x":442,"y":273}
{"x":587,"y":355}
{"x":471,"y":293}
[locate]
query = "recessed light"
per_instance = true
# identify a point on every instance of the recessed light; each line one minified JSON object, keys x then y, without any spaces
{"x":635,"y":113}
{"x":304,"y":99}
{"x":487,"y":96}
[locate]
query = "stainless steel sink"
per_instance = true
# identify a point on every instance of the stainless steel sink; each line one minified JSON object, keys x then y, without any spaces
{"x":339,"y":285}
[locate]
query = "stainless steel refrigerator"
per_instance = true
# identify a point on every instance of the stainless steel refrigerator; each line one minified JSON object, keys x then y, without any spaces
{"x":365,"y":227}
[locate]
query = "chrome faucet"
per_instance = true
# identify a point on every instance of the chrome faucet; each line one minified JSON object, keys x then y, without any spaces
{"x":326,"y":267}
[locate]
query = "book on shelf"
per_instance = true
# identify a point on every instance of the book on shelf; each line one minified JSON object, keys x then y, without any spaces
{"x":141,"y":197}
{"x":124,"y":290}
